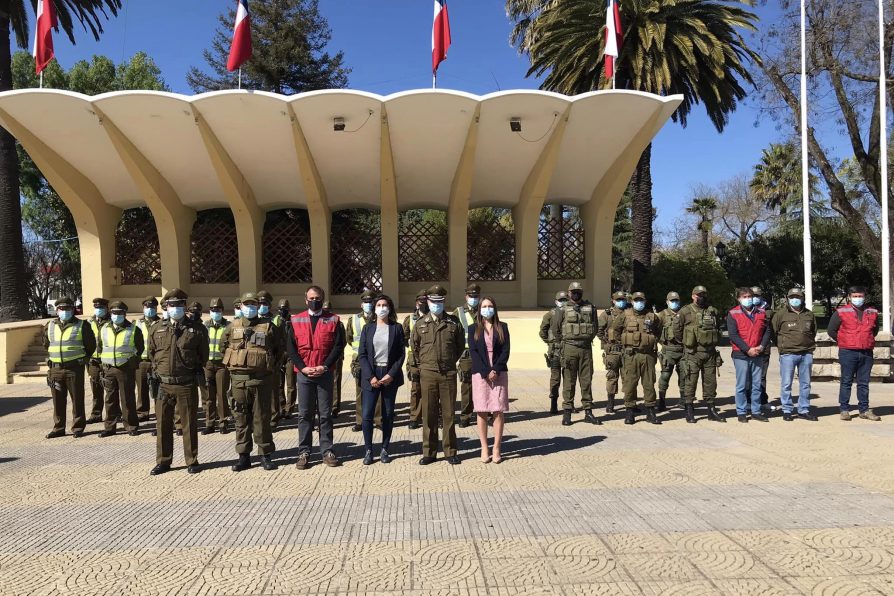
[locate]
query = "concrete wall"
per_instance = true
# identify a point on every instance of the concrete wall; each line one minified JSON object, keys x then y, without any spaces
{"x":14,"y":341}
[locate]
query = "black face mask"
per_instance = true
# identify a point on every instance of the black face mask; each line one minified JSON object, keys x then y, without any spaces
{"x":422,"y":307}
{"x":284,"y":312}
{"x":576,"y":296}
{"x":315,"y":305}
{"x":701,"y":301}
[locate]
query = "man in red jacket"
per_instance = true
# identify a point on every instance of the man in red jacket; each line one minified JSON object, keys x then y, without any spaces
{"x":749,"y":336}
{"x":854,"y":326}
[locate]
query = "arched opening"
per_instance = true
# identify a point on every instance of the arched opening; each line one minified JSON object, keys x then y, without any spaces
{"x":215,"y":249}
{"x":424,"y":253}
{"x":561,"y":249}
{"x":137,"y":250}
{"x":356,"y":243}
{"x":287,"y":248}
{"x":491,"y":245}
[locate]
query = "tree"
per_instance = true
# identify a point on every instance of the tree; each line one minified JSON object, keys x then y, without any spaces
{"x":289,"y":39}
{"x":742,"y":213}
{"x":673,"y":273}
{"x":622,"y":237}
{"x":14,"y":22}
{"x":690,"y":47}
{"x":704,"y":207}
{"x":776,"y":181}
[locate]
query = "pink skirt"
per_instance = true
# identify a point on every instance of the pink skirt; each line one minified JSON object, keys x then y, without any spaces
{"x":490,"y":398}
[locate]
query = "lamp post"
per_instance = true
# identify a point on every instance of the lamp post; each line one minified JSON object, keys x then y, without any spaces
{"x":720,"y":251}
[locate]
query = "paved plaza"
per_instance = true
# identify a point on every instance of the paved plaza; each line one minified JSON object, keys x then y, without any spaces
{"x":775,"y":508}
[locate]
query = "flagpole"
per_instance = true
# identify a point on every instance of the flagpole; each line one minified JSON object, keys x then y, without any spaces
{"x":41,"y":79}
{"x":805,"y":171}
{"x":240,"y":77}
{"x":434,"y":80}
{"x":883,"y":154}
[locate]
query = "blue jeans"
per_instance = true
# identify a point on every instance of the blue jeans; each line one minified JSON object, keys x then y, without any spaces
{"x":787,"y":365}
{"x":854,"y":364}
{"x":748,"y":369}
{"x":370,"y":397}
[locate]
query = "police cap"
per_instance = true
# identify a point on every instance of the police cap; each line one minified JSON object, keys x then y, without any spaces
{"x":673,"y":296}
{"x":619,"y":296}
{"x":237,"y":303}
{"x":561,"y":295}
{"x":65,"y":301}
{"x":639,"y":295}
{"x":249,"y":297}
{"x":326,"y":305}
{"x":265,"y":296}
{"x":174,"y":294}
{"x":215,"y":303}
{"x":100,"y":302}
{"x":118,"y":305}
{"x":436,"y":293}
{"x":575,"y":285}
{"x":368,"y":296}
{"x":755,"y":290}
{"x":150,"y":301}
{"x":284,"y":303}
{"x":422,"y":294}
{"x":195,"y":305}
{"x":473,"y":290}
{"x":699,"y":290}
{"x":796,"y":292}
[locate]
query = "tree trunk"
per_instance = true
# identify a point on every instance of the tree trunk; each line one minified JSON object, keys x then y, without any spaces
{"x":641,"y":215}
{"x":706,"y":247}
{"x":13,"y":292}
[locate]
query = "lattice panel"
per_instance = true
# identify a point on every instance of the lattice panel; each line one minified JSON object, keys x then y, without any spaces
{"x":424,"y":250}
{"x":491,"y":251}
{"x":287,"y":252}
{"x":215,"y":249}
{"x":356,"y":252}
{"x":137,"y":252}
{"x":562,"y":252}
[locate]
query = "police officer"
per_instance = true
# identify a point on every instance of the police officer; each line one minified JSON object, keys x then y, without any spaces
{"x":146,"y":386}
{"x":575,"y":326}
{"x":217,"y":377}
{"x":265,"y":304}
{"x":436,"y":344}
{"x":336,"y":374}
{"x":94,"y":367}
{"x":68,"y":341}
{"x":697,"y":328}
{"x":253,"y":353}
{"x":195,"y":311}
{"x":237,"y":309}
{"x":120,"y":346}
{"x":671,"y":349}
{"x":178,"y":350}
{"x":553,"y":359}
{"x":466,"y":314}
{"x":353,"y":327}
{"x":413,"y":372}
{"x":638,"y":330}
{"x":611,"y":347}
{"x":287,"y":392}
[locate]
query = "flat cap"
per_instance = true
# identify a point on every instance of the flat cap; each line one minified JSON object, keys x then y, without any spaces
{"x":619,"y":296}
{"x":639,"y":295}
{"x":284,"y":303}
{"x":368,"y":296}
{"x":796,"y":292}
{"x":264,"y":296}
{"x":575,"y":285}
{"x":215,"y":303}
{"x":249,"y":297}
{"x":65,"y":301}
{"x":421,"y":294}
{"x":237,"y":303}
{"x":561,"y":295}
{"x":175,"y":294}
{"x":103,"y":301}
{"x":150,"y":301}
{"x":118,"y":305}
{"x":699,"y":290}
{"x":473,"y":290}
{"x":673,"y":296}
{"x":436,"y":293}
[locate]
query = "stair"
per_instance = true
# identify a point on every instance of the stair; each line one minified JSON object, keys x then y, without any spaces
{"x":32,"y":368}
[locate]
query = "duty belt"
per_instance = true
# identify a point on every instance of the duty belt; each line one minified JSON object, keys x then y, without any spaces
{"x":247,"y":376}
{"x":579,"y":343}
{"x":187,"y":380}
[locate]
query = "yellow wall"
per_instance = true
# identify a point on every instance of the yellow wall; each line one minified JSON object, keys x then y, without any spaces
{"x":14,"y":341}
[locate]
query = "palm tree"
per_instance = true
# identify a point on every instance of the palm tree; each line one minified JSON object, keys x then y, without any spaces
{"x":776,"y":180}
{"x":14,"y":21}
{"x":704,"y":207}
{"x":691,"y":47}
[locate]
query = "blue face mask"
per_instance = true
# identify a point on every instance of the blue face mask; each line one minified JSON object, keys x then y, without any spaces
{"x":118,"y":319}
{"x":674,"y":305}
{"x":237,"y":313}
{"x":176,"y":312}
{"x":436,"y":308}
{"x":620,"y":304}
{"x":216,"y":316}
{"x":746,"y":302}
{"x":858,"y":302}
{"x":65,"y":315}
{"x":367,"y":307}
{"x":487,"y":312}
{"x":264,"y":309}
{"x":472,"y":301}
{"x":100,"y":312}
{"x":795,"y":302}
{"x":149,"y":312}
{"x":249,"y":312}
{"x":639,"y":305}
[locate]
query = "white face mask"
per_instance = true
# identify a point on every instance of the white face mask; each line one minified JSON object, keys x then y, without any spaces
{"x":382,"y":312}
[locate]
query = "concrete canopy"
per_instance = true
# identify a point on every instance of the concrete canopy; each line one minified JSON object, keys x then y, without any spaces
{"x":257,"y":151}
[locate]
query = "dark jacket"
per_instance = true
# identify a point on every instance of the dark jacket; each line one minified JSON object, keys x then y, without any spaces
{"x":396,"y":354}
{"x":795,"y":331}
{"x":478,"y":351}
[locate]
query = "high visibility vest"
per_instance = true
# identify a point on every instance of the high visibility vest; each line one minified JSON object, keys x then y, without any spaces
{"x":117,"y":348}
{"x":412,"y":325}
{"x":358,"y":328}
{"x":95,"y":326}
{"x":214,"y":335}
{"x":461,"y":315}
{"x":144,"y":325}
{"x":278,"y":320}
{"x":68,"y":344}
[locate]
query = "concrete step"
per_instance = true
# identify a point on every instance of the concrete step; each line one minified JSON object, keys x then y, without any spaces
{"x":33,"y":358}
{"x":32,"y":367}
{"x":18,"y":378}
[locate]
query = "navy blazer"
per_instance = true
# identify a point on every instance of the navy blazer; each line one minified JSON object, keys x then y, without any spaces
{"x":396,"y":354}
{"x":478,"y":352}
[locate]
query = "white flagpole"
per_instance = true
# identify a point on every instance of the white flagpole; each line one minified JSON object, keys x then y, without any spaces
{"x":41,"y":79}
{"x":883,"y":154}
{"x":434,"y":80}
{"x":240,"y":77}
{"x":805,"y":171}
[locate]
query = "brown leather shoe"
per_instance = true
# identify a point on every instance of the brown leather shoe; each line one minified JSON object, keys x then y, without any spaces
{"x":301,"y":464}
{"x":329,"y":459}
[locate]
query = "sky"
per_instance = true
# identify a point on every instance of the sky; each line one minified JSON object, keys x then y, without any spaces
{"x":387,"y":44}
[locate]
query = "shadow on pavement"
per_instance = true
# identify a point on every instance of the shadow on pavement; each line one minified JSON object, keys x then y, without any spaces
{"x":15,"y":405}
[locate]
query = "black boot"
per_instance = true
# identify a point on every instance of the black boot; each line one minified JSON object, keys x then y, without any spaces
{"x":662,"y":402}
{"x":268,"y":463}
{"x":588,"y":417}
{"x":651,"y":417}
{"x":690,"y":413}
{"x":566,"y":418}
{"x":554,"y":405}
{"x":244,"y":463}
{"x":610,"y":406}
{"x":631,"y":416}
{"x":714,"y":415}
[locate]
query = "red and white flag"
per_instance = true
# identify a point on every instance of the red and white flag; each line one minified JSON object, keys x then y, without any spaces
{"x":440,"y":35}
{"x":43,"y":36}
{"x":614,"y":37}
{"x":240,"y":49}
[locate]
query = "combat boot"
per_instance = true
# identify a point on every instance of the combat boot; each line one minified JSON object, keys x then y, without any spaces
{"x":651,"y":417}
{"x":588,"y":417}
{"x":690,"y":413}
{"x":566,"y":418}
{"x":268,"y":464}
{"x":554,"y":405}
{"x":714,"y":415}
{"x":631,"y":416}
{"x":244,"y":463}
{"x":662,"y":402}
{"x":610,"y":406}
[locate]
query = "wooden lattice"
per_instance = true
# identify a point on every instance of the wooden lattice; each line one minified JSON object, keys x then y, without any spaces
{"x":562,"y":253}
{"x":137,"y":252}
{"x":287,"y":252}
{"x":215,"y":249}
{"x":356,"y":252}
{"x":424,"y":249}
{"x":491,"y":249}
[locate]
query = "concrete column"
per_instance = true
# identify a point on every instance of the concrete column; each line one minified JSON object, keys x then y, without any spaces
{"x":458,"y":214}
{"x":389,"y":215}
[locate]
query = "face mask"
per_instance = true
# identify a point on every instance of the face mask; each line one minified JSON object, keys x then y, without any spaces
{"x":65,"y":315}
{"x":858,"y":302}
{"x":149,"y":312}
{"x":237,"y":313}
{"x":165,"y":315}
{"x":118,"y":319}
{"x":101,"y":312}
{"x":487,"y":312}
{"x":746,"y":302}
{"x":639,"y":305}
{"x":436,"y":308}
{"x":176,"y":312}
{"x":315,"y":305}
{"x":576,"y":296}
{"x":674,"y":304}
{"x":423,"y":308}
{"x":382,"y":312}
{"x":367,"y":307}
{"x":264,"y":309}
{"x":196,"y":315}
{"x":561,"y":303}
{"x":284,"y":313}
{"x":757,"y":301}
{"x":472,"y":301}
{"x":249,"y":312}
{"x":620,"y":304}
{"x":216,"y":316}
{"x":794,"y":302}
{"x":701,"y":301}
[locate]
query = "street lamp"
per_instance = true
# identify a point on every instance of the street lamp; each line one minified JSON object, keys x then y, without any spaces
{"x":720,"y":251}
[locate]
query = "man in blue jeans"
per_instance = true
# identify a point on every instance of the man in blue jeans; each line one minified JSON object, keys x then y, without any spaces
{"x":749,"y":335}
{"x":854,"y":326}
{"x":795,"y":331}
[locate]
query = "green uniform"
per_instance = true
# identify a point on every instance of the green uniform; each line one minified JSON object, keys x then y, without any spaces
{"x":286,"y":389}
{"x":94,"y":371}
{"x":698,"y":330}
{"x":68,"y":345}
{"x":145,"y":389}
{"x":553,"y":360}
{"x":253,"y":353}
{"x":412,"y":371}
{"x":353,"y":327}
{"x":611,"y":348}
{"x":120,"y":348}
{"x":575,"y":326}
{"x":671,"y":351}
{"x":466,"y":317}
{"x":436,"y":345}
{"x":178,"y":351}
{"x":217,"y":378}
{"x":638,"y":332}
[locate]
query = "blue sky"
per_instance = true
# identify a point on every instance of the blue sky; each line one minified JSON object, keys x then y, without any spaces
{"x":388,"y":46}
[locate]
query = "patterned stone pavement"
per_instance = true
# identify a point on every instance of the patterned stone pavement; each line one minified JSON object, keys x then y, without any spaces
{"x":777,"y":508}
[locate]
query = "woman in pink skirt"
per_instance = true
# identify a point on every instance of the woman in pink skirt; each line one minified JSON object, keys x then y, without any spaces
{"x":489,"y":349}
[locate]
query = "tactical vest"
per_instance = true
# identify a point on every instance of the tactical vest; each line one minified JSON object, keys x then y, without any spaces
{"x":854,"y":333}
{"x":144,"y":324}
{"x":704,"y":332}
{"x":462,"y":315}
{"x":214,"y":349}
{"x":117,"y":348}
{"x":249,"y":348}
{"x":68,"y":344}
{"x":579,"y":323}
{"x":639,"y":332}
{"x":667,"y":329}
{"x":610,"y":334}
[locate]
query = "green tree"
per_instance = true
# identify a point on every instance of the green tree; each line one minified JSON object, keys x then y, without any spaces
{"x":704,"y":208}
{"x":691,"y":47}
{"x":14,"y":23}
{"x":622,"y":237}
{"x":672,"y":273}
{"x":289,"y":39}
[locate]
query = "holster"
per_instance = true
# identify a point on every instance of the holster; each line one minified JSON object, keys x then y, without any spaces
{"x":355,"y":368}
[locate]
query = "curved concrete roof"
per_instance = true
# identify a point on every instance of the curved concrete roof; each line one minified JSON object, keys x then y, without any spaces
{"x":280,"y":146}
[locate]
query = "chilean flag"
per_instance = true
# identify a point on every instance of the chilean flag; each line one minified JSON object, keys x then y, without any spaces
{"x":440,"y":35}
{"x":614,"y":37}
{"x":43,"y":37}
{"x":240,"y":49}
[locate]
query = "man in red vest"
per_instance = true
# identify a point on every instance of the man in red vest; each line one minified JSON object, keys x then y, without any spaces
{"x":316,"y":342}
{"x":749,"y":335}
{"x":853,"y":327}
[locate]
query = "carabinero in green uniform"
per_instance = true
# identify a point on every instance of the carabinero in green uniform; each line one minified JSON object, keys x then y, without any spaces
{"x":217,"y":377}
{"x":120,"y":346}
{"x":671,"y":350}
{"x":353,"y":326}
{"x":611,"y":347}
{"x":553,"y":357}
{"x":147,"y":385}
{"x":413,"y":371}
{"x":94,"y":365}
{"x":288,"y":393}
{"x":638,"y":330}
{"x":575,"y":326}
{"x":466,"y":314}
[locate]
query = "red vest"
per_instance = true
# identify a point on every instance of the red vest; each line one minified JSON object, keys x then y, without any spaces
{"x":854,"y":333}
{"x":751,"y":330}
{"x":314,"y":344}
